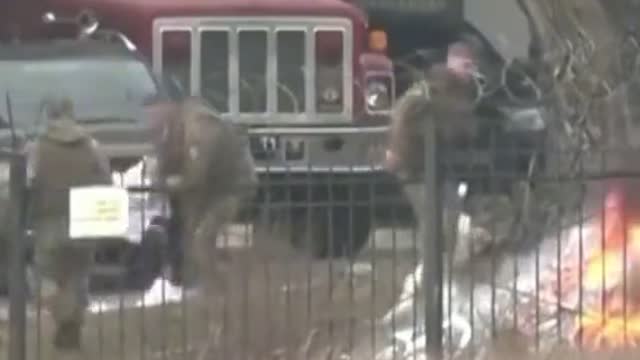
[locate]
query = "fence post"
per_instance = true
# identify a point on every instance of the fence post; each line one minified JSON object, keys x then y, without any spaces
{"x":17,"y":279}
{"x":433,"y":248}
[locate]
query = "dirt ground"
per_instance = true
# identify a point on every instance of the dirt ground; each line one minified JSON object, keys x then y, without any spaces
{"x":279,"y":304}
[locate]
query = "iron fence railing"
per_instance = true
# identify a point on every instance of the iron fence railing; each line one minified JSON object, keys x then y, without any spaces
{"x":536,"y":237}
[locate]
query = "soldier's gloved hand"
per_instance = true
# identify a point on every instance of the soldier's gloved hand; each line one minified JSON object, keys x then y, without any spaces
{"x":173,"y":182}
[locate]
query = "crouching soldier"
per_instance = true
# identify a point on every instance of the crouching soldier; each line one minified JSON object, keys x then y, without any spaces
{"x":209,"y":171}
{"x":61,"y":158}
{"x":446,"y":97}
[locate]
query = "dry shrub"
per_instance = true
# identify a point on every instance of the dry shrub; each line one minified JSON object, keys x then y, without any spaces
{"x":510,"y":345}
{"x":279,"y":303}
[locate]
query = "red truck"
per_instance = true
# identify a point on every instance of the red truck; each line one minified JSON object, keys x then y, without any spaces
{"x":309,"y":79}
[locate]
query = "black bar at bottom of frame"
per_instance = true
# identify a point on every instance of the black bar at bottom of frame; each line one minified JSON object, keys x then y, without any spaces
{"x":17,"y":263}
{"x":433,"y":266}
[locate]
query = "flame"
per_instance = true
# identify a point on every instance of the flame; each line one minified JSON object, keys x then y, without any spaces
{"x":615,"y":324}
{"x":601,"y":330}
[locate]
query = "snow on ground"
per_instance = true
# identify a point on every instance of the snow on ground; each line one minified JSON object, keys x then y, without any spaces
{"x":409,"y":338}
{"x":162,"y":292}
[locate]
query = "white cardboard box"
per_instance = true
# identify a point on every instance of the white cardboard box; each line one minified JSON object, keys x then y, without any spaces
{"x":98,"y":212}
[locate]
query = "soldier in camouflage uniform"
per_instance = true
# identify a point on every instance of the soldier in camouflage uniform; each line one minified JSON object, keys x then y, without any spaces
{"x":62,"y":158}
{"x":446,"y":96}
{"x":208,"y":169}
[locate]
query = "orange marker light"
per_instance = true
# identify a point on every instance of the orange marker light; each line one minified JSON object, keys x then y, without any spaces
{"x":378,"y":40}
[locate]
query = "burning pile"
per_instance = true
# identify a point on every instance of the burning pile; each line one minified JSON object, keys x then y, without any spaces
{"x":612,"y":270}
{"x":599,"y":291}
{"x":610,"y":311}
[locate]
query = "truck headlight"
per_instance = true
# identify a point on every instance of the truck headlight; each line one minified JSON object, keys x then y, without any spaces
{"x":378,"y":94}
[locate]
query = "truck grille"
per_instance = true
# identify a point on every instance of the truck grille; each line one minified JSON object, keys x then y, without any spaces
{"x":271,"y":70}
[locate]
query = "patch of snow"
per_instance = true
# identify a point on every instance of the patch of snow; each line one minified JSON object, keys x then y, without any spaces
{"x":161,"y":292}
{"x":362,"y":268}
{"x":236,"y":236}
{"x":410,"y":340}
{"x":102,"y":306}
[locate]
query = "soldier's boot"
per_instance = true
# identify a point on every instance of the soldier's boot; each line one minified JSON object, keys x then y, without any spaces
{"x":184,"y":271}
{"x":68,"y":336}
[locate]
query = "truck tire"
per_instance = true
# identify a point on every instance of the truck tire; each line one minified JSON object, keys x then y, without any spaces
{"x":345,"y":235}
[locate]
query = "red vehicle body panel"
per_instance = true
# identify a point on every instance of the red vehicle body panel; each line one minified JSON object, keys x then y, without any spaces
{"x":134,"y":18}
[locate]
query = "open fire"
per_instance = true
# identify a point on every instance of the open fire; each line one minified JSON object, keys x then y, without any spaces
{"x":610,"y":315}
{"x":600,"y":300}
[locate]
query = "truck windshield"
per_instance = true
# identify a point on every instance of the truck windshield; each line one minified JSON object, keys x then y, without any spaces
{"x":101,"y":89}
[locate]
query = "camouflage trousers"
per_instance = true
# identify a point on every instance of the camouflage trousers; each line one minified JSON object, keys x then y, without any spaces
{"x":484,"y":220}
{"x":61,"y":272}
{"x":202,"y":260}
{"x":452,"y":209}
{"x":202,"y":226}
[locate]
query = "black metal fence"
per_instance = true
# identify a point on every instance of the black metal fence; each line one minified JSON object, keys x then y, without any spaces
{"x":14,"y":241}
{"x":534,"y":243}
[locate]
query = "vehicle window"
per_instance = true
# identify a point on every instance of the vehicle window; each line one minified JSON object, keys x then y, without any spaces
{"x":214,"y":65}
{"x":176,"y":57}
{"x":252,"y":65}
{"x":100,"y":88}
{"x":329,"y":71}
{"x":291,"y":75}
{"x":173,"y":88}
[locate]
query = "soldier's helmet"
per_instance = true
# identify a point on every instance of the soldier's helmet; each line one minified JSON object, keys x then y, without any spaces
{"x":58,"y":107}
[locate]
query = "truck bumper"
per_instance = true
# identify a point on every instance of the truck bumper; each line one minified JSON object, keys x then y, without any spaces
{"x":318,"y":149}
{"x":328,"y":166}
